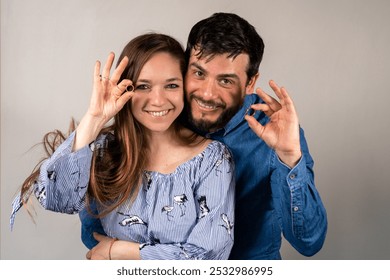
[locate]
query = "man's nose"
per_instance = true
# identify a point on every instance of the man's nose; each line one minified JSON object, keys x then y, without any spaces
{"x":208,"y":89}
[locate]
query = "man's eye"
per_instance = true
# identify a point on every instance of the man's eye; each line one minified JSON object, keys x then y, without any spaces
{"x":226,"y":82}
{"x":199,"y":73}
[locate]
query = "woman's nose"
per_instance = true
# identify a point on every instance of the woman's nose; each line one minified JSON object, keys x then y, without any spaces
{"x":157,"y":96}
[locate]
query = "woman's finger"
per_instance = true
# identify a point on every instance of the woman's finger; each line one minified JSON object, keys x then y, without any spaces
{"x":96,"y":72}
{"x":107,"y":67}
{"x":96,"y":81}
{"x":124,"y":86}
{"x":125,"y":97}
{"x":119,"y":70}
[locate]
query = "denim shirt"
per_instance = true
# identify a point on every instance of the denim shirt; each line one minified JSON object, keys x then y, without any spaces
{"x":271,"y":198}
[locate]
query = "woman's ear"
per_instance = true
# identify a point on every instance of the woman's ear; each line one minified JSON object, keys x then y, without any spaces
{"x":250,"y":87}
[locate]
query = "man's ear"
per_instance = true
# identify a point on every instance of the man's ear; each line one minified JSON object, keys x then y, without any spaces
{"x":250,"y":87}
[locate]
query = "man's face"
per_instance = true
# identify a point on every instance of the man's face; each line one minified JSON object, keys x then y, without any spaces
{"x":215,"y":89}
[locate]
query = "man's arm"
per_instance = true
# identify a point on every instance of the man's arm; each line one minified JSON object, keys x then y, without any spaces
{"x":297,"y":202}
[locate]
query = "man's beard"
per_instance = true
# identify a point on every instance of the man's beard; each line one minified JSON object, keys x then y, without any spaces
{"x":208,"y":126}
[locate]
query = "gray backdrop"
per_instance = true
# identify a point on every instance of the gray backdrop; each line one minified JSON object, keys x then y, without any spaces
{"x":333,"y":57}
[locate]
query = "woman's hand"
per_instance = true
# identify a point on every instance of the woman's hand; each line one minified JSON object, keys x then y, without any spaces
{"x":108,"y":98}
{"x":113,"y":249}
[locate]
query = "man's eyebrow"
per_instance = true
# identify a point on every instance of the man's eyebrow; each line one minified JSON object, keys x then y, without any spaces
{"x":196,"y":65}
{"x":221,"y":76}
{"x":227,"y":75}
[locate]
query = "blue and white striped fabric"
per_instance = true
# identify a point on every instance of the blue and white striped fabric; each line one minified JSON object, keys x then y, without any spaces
{"x":187,"y":214}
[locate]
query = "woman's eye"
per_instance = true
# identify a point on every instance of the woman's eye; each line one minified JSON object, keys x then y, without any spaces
{"x":141,"y":87}
{"x":172,"y":86}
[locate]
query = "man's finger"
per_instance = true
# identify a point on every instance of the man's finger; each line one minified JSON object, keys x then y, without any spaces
{"x":262,"y":107}
{"x":255,"y":125}
{"x":269,"y":100}
{"x":98,"y":237}
{"x":276,"y":89}
{"x":88,"y":255}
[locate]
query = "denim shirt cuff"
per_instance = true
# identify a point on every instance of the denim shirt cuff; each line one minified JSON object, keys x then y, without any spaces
{"x":295,"y":178}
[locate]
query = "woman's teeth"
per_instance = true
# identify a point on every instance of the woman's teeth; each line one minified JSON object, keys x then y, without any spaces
{"x":159,"y":113}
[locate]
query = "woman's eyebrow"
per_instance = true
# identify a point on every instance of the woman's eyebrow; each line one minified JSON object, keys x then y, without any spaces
{"x":174,"y":79}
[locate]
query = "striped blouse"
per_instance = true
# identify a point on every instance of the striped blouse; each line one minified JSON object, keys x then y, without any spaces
{"x":186,"y":214}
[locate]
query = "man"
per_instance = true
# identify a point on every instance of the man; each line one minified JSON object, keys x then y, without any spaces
{"x":275,"y":191}
{"x":275,"y":181}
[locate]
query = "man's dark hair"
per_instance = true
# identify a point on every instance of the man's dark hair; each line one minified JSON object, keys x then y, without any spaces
{"x":225,"y":33}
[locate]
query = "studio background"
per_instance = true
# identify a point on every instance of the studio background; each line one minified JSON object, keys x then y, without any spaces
{"x":332,"y":56}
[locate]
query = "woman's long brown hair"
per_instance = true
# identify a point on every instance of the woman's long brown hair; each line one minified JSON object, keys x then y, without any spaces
{"x":117,"y":168}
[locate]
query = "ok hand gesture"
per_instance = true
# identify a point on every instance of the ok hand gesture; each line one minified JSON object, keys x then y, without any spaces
{"x":281,"y":133}
{"x":108,"y":98}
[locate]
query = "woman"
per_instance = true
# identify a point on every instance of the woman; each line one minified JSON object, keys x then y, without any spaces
{"x":161,"y":191}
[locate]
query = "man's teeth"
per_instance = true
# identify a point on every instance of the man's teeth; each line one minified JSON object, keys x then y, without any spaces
{"x":159,"y":114}
{"x":204,"y":105}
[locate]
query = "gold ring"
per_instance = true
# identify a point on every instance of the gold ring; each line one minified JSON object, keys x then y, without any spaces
{"x":130,"y":88}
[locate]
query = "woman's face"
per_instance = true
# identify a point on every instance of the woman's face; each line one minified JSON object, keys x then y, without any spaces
{"x":159,"y":96}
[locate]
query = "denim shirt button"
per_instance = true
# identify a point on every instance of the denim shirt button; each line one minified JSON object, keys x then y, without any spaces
{"x":292,"y":176}
{"x":296,"y":208}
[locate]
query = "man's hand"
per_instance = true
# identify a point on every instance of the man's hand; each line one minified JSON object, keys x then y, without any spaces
{"x":102,"y":250}
{"x":281,"y":133}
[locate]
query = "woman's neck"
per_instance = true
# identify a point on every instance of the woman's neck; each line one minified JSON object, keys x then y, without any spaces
{"x":167,"y":150}
{"x":159,"y":141}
